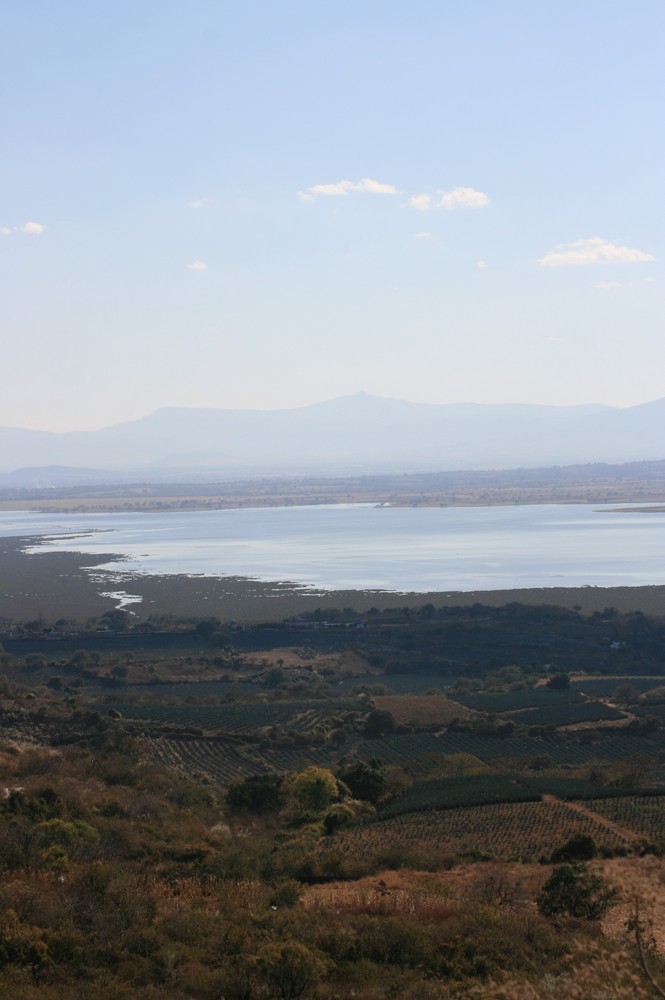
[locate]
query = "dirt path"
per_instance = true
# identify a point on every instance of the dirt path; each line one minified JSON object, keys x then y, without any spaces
{"x":582,"y":810}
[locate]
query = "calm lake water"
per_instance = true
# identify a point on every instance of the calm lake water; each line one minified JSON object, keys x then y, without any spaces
{"x":363,"y":546}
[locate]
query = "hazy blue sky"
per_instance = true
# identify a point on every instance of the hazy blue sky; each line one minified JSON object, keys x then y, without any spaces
{"x":269,"y":203}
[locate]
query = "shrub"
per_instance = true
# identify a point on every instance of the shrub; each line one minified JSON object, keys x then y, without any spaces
{"x":580,"y":847}
{"x":573,"y":891}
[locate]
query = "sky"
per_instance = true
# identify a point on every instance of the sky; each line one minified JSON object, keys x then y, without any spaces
{"x":268,"y":204}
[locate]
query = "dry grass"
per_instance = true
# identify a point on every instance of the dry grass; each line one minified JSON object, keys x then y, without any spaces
{"x":640,"y":880}
{"x":602,"y":970}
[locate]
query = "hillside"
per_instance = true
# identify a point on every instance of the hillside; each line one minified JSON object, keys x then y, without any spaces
{"x":352,"y":434}
{"x":185,"y":820}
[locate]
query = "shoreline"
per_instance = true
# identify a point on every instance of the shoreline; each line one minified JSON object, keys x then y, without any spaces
{"x":173,"y":505}
{"x":57,"y":585}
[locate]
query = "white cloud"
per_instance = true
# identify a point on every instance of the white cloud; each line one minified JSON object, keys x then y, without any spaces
{"x":593,"y":251}
{"x":459,"y":197}
{"x":608,"y":285}
{"x":463,"y":197}
{"x":366,"y":186}
{"x":201,"y":202}
{"x":422,"y":236}
{"x":421,"y":202}
{"x":31,"y":228}
{"x":481,"y":264}
{"x":197,"y":265}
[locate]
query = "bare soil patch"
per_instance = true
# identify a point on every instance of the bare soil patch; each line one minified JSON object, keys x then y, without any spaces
{"x":422,"y":710}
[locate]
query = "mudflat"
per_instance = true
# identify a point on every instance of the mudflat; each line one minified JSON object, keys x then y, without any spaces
{"x":54,"y":585}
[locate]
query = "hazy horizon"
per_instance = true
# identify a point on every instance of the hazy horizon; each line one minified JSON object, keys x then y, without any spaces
{"x":270,"y":205}
{"x":331,"y":399}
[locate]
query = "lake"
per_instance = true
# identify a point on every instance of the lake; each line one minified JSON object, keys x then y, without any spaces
{"x":364,"y":546}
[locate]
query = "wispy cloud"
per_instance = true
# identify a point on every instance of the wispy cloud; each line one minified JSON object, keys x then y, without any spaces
{"x":424,"y":235}
{"x":421,"y":202}
{"x":459,"y":197}
{"x":31,"y":228}
{"x":607,"y":286}
{"x":197,"y":265}
{"x":343,"y":188}
{"x":463,"y":197}
{"x":595,"y":250}
{"x":201,"y":202}
{"x":481,"y":264}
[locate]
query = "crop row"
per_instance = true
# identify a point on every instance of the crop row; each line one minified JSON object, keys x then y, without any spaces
{"x":523,"y":831}
{"x":604,"y":687}
{"x":566,"y":715}
{"x":512,"y":701}
{"x":451,"y":793}
{"x":613,"y":746}
{"x":237,"y":717}
{"x":658,"y":711}
{"x":242,"y":717}
{"x":484,"y":789}
{"x":227,"y":762}
{"x":645,"y":815}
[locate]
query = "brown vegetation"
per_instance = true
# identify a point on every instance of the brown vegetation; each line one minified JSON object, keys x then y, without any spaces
{"x":422,"y":710}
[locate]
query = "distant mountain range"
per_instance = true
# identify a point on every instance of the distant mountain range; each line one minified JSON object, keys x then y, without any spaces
{"x":359,"y":434}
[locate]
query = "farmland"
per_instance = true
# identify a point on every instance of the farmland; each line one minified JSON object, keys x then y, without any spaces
{"x":228,"y":775}
{"x":524,"y":831}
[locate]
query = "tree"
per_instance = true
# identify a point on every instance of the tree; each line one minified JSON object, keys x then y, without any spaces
{"x":290,"y":968}
{"x":573,"y":891}
{"x":580,"y":847}
{"x":365,"y":779}
{"x":258,"y":794}
{"x":314,"y":789}
{"x":380,"y":723}
{"x":559,"y":682}
{"x":117,"y":620}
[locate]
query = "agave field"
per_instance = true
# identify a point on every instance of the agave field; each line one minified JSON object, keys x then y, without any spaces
{"x":484,"y":789}
{"x":644,"y":814}
{"x":238,"y":717}
{"x":614,"y":745}
{"x":513,"y":701}
{"x":227,"y":759}
{"x":566,"y":715}
{"x":225,"y":762}
{"x":450,"y":793}
{"x":656,"y":710}
{"x":604,"y":687}
{"x":523,"y":831}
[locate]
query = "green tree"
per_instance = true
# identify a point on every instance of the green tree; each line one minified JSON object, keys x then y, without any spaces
{"x":314,"y":789}
{"x":365,"y":779}
{"x":573,"y":891}
{"x":258,"y":794}
{"x":580,"y":847}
